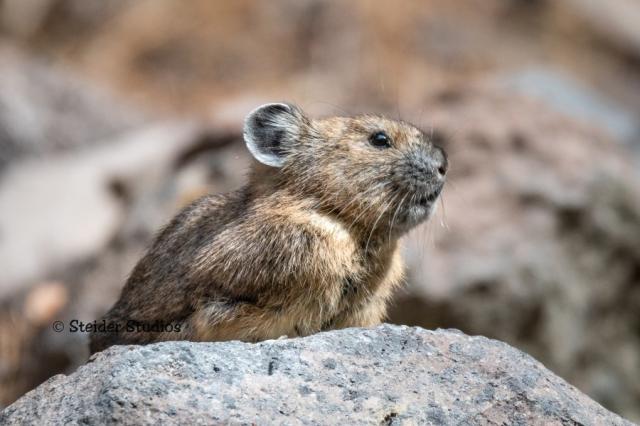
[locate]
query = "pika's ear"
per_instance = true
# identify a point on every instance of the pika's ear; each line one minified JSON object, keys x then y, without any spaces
{"x":270,"y":130}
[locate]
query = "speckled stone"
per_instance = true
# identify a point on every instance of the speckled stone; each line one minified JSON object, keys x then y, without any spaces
{"x":389,"y":375}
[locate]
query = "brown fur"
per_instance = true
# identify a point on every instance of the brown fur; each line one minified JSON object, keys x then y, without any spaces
{"x":310,"y":246}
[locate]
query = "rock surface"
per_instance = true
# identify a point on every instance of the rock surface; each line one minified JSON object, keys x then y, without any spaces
{"x":388,"y":375}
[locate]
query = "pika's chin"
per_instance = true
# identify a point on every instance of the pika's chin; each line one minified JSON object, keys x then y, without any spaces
{"x":419,"y":211}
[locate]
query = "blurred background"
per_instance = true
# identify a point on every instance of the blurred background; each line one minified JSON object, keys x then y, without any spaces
{"x":116,"y":113}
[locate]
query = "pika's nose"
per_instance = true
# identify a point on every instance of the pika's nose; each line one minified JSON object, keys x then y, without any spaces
{"x":440,"y":161}
{"x":427,"y":167}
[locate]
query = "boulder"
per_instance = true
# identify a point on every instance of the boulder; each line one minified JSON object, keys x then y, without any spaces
{"x":386,"y":375}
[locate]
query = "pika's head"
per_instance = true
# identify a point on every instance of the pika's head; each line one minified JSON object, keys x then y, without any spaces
{"x":375,"y":173}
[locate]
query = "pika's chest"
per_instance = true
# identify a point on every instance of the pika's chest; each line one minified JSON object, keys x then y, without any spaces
{"x":362,"y":279}
{"x":353,"y":272}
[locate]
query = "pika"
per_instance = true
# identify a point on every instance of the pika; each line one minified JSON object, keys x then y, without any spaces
{"x":309,"y":244}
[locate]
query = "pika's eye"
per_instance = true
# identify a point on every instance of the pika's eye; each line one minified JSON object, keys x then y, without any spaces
{"x":380,"y":140}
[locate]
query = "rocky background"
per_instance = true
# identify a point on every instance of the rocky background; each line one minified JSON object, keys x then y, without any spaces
{"x":116,"y":113}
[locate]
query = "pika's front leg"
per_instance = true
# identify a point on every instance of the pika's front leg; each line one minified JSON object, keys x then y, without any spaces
{"x":367,"y":315}
{"x":372,"y":310}
{"x":235,"y":320}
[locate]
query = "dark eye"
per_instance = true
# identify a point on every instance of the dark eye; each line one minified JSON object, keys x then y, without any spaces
{"x":380,"y":140}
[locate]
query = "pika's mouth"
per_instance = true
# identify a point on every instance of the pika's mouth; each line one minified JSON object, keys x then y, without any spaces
{"x":419,"y":209}
{"x":425,"y":200}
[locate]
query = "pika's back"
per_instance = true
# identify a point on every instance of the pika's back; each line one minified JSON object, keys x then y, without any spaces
{"x":310,"y":243}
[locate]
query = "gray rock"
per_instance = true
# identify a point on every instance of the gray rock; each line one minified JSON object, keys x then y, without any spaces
{"x":46,"y":109}
{"x":64,"y":209}
{"x":387,"y":375}
{"x":567,"y":96}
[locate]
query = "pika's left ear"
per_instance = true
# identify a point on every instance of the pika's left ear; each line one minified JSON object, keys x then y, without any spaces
{"x":271,"y":130}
